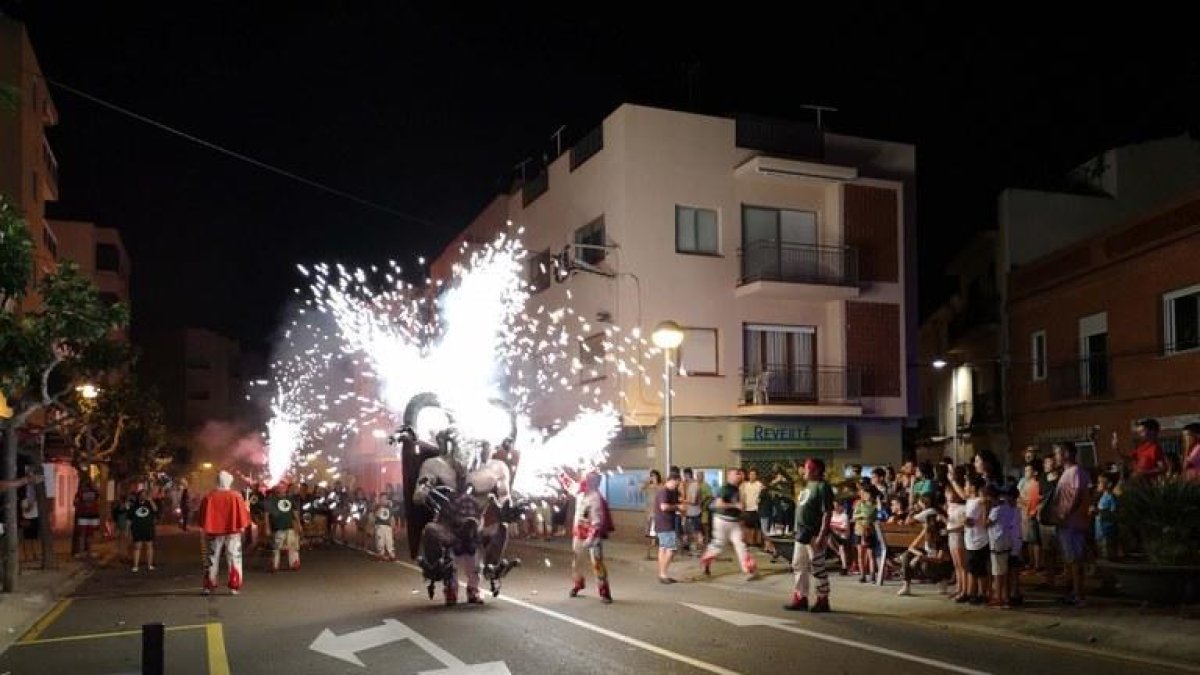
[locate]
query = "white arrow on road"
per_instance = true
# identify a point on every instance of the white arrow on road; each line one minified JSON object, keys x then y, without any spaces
{"x":345,"y":647}
{"x":744,"y":620}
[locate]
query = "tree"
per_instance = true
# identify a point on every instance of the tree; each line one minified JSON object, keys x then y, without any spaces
{"x":44,"y":353}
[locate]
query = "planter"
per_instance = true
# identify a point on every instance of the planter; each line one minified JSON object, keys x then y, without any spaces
{"x":1159,"y":584}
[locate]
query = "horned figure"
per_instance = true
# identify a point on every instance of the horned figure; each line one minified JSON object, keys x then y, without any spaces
{"x":460,"y":500}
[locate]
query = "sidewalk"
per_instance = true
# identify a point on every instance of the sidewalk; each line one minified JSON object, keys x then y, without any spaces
{"x":39,"y":591}
{"x":1117,"y":626}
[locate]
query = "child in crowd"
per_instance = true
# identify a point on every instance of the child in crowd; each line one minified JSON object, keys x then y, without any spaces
{"x":955,"y":524}
{"x":1000,"y":521}
{"x":839,"y":539}
{"x":1105,"y":514}
{"x":975,"y":536}
{"x":864,"y":530}
{"x":898,"y":512}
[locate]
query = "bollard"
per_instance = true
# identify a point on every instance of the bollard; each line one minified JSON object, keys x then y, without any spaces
{"x":153,"y":654}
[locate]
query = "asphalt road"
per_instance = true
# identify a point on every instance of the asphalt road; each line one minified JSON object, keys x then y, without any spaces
{"x":342,"y":609}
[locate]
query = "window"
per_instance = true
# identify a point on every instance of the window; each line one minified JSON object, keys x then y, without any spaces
{"x":698,"y":353}
{"x":1037,"y":345}
{"x":781,"y":245}
{"x":587,"y":146}
{"x":1093,"y":347}
{"x":696,"y":230}
{"x":591,"y":356}
{"x":538,"y":272}
{"x":590,"y":242}
{"x":1181,"y":320}
{"x":785,"y":358}
{"x":108,"y":259}
{"x":535,"y":187}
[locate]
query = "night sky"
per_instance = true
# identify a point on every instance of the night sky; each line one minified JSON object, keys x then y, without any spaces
{"x":426,"y":112}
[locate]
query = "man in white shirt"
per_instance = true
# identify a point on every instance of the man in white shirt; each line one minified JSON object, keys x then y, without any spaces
{"x":751,"y":492}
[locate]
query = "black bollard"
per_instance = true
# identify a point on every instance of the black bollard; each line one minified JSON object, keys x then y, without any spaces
{"x":153,"y":654}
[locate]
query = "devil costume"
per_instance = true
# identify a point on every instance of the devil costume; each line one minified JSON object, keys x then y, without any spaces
{"x":462,"y":500}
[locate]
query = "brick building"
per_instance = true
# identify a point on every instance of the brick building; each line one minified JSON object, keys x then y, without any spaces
{"x":1107,"y":331}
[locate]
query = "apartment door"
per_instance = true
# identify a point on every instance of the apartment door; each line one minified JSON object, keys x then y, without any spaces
{"x":1093,"y":351}
{"x":786,"y":357}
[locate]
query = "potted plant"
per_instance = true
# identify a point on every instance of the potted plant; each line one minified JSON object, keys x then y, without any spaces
{"x":1160,"y":520}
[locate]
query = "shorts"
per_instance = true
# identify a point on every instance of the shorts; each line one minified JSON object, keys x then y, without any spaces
{"x":750,"y":520}
{"x":999,"y":563}
{"x":1030,"y":531}
{"x":1070,"y":542}
{"x":691,"y":525}
{"x":955,"y":540}
{"x":87,"y":522}
{"x":978,"y":562}
{"x":668,"y":540}
{"x":865,"y":540}
{"x":143,"y":537}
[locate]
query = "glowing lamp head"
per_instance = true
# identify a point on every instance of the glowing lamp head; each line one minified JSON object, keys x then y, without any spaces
{"x":88,"y":390}
{"x":667,"y":335}
{"x":938,"y":364}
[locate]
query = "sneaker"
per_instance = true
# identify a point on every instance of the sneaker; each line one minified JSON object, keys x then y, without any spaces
{"x":821,"y":606}
{"x":133,"y":569}
{"x":862,"y":580}
{"x":904,"y":591}
{"x":666,"y":580}
{"x":975,"y":600}
{"x":798,"y":604}
{"x":150,"y":567}
{"x":234,"y":591}
{"x":206,"y":591}
{"x":575,"y":590}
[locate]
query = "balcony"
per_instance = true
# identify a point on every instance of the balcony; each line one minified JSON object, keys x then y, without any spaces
{"x":1080,"y":379}
{"x":770,"y":269}
{"x":51,"y":172}
{"x":983,"y":410}
{"x":773,"y":386}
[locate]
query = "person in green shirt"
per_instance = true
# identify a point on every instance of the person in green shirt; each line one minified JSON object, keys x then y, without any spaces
{"x":813,"y":512}
{"x":283,"y":527}
{"x":143,"y":514}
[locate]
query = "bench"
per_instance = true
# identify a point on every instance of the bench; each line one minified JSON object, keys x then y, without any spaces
{"x":897,"y":537}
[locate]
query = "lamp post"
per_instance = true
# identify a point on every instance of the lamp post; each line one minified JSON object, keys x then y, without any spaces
{"x":940,"y":364}
{"x":667,"y":336}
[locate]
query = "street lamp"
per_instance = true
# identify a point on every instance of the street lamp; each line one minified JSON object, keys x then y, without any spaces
{"x":667,"y":336}
{"x":206,"y":466}
{"x":88,"y":390}
{"x":939,"y":364}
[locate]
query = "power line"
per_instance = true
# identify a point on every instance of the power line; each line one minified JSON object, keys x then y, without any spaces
{"x":246,"y":158}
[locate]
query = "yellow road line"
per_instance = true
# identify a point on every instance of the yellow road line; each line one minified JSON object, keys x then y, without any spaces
{"x":44,"y":622}
{"x":99,"y":636}
{"x":218,"y":660}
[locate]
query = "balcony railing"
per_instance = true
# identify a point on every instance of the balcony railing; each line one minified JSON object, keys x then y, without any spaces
{"x":799,"y":264}
{"x":801,"y":384}
{"x":1080,"y":379}
{"x":51,"y":165}
{"x":983,"y":409}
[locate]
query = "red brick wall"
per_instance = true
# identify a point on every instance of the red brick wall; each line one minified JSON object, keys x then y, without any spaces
{"x":873,"y":346}
{"x":1129,"y":286}
{"x":873,"y":227}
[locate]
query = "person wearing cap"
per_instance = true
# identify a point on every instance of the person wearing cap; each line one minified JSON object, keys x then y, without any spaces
{"x":1191,"y":451}
{"x":1149,"y":462}
{"x":223,"y":516}
{"x":727,"y":527}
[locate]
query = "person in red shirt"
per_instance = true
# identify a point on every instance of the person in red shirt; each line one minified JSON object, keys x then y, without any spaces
{"x":223,"y":516}
{"x":1148,"y":459}
{"x":1191,"y":452}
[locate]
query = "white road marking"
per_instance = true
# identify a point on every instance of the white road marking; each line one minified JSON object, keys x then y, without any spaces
{"x":744,"y":619}
{"x":631,"y":641}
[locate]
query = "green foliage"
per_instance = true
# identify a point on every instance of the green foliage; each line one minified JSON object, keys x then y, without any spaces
{"x":10,"y":97}
{"x":1166,"y":515}
{"x":16,"y":254}
{"x":127,"y":419}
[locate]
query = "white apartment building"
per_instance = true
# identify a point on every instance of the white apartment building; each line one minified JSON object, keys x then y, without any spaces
{"x":784,"y":251}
